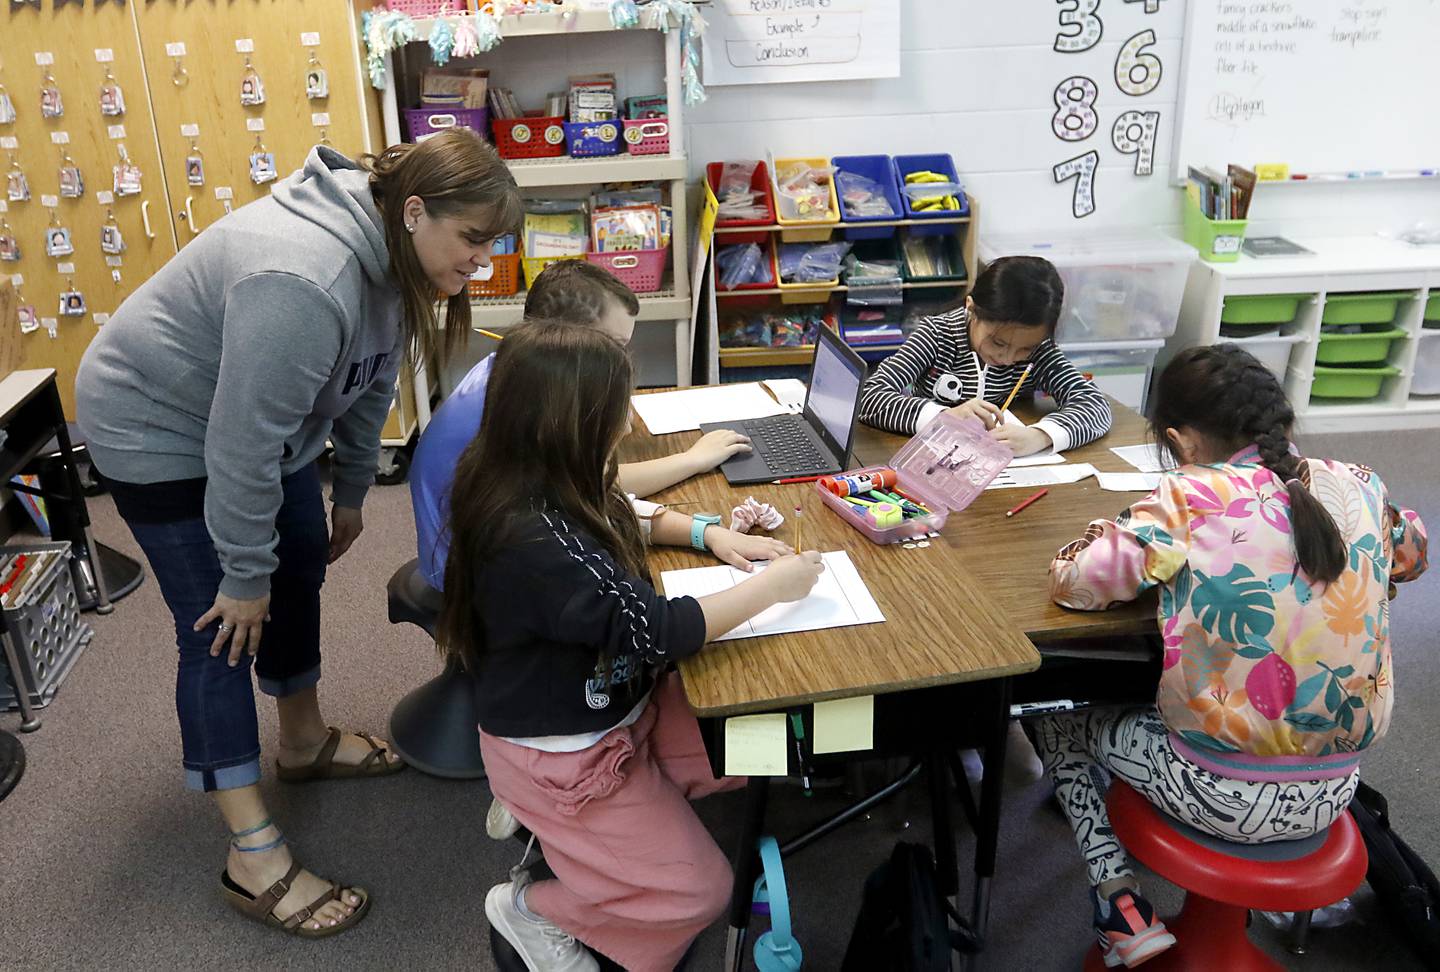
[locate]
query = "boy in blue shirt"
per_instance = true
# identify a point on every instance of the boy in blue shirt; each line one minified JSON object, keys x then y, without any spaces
{"x":581,"y":293}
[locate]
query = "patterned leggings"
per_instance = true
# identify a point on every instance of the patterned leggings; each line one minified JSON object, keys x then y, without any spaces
{"x":1134,"y":745}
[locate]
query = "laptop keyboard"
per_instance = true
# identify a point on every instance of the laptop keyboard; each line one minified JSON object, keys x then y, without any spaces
{"x":783,"y":446}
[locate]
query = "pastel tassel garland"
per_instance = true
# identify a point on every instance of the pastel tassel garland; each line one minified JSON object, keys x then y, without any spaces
{"x":442,"y":41}
{"x":624,"y":14}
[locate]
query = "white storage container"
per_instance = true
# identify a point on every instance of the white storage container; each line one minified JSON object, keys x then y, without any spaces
{"x":1121,"y":369}
{"x":1427,"y":365}
{"x":1119,"y":285}
{"x":1273,"y":350}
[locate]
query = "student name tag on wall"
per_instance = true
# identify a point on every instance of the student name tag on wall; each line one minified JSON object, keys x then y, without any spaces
{"x":755,"y":745}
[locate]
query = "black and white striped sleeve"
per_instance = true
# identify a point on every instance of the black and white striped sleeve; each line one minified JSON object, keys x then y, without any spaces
{"x":1083,"y":414}
{"x":886,"y":401}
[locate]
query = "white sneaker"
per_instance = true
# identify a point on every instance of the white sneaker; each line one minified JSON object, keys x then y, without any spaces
{"x":543,"y":946}
{"x":500,"y":823}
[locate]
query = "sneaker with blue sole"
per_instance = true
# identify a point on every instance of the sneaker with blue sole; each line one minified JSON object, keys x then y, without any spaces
{"x":1129,"y":931}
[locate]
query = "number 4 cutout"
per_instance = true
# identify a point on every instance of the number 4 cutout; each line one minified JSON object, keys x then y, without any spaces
{"x":1083,"y":203}
{"x":1151,"y":6}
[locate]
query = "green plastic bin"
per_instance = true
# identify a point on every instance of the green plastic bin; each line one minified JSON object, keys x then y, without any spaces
{"x":1432,"y":307}
{"x":1261,"y":309}
{"x":1377,"y":308}
{"x":1350,"y":382}
{"x":1367,"y":348}
{"x":1218,"y":240}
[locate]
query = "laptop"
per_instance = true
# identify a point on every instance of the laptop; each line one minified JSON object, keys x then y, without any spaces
{"x":814,"y":443}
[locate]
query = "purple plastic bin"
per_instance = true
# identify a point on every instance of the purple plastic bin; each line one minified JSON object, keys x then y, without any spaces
{"x":421,"y":123}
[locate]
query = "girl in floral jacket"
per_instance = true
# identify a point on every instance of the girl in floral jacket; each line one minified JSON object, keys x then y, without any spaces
{"x":1275,"y":576}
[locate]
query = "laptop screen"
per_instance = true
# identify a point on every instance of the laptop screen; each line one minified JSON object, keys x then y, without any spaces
{"x":834,"y":394}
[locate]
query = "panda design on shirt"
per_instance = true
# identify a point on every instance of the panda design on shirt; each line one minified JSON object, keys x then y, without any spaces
{"x":948,"y":389}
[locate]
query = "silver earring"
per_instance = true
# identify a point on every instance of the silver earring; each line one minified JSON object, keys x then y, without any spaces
{"x":410,"y":227}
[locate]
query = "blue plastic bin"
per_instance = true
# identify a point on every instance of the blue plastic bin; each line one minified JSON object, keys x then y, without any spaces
{"x":880,"y":169}
{"x":941,"y":163}
{"x":589,"y":139}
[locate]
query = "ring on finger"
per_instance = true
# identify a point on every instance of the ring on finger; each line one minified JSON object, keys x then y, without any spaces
{"x":227,"y":628}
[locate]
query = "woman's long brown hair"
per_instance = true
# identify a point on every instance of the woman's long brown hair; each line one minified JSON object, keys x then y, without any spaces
{"x":456,"y":173}
{"x":557,"y":405}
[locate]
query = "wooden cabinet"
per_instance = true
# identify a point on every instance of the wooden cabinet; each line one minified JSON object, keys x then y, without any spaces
{"x":164,"y":95}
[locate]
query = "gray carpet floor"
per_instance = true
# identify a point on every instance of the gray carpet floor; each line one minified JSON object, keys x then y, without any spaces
{"x":107,"y":863}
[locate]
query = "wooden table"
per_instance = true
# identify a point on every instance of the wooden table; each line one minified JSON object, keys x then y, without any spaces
{"x":964,"y":613}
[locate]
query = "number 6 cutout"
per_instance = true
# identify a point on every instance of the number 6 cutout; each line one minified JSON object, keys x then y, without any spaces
{"x":1083,"y":166}
{"x":1134,"y":134}
{"x":1075,"y":117}
{"x":1137,"y":74}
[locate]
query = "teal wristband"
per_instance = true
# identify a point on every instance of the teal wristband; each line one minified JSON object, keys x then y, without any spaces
{"x":698,"y":523}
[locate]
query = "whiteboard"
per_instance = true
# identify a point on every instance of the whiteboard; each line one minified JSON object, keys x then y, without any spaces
{"x":763,"y":41}
{"x":1325,"y":86}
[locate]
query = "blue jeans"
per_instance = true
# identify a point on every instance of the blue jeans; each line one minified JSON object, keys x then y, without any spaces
{"x":219,"y":735}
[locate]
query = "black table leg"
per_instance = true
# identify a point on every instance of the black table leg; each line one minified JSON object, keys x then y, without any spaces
{"x":987,"y":835}
{"x":746,"y":864}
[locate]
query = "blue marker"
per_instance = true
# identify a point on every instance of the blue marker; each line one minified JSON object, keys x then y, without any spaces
{"x":1427,"y":172}
{"x":1375,"y":174}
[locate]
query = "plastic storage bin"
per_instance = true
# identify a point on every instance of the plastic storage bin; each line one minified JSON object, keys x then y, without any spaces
{"x":944,"y":165}
{"x":1121,"y":370}
{"x":1363,"y":348}
{"x":1427,"y":368}
{"x":1261,"y":309}
{"x":504,"y":282}
{"x":534,"y":266}
{"x":421,"y":123}
{"x":1371,"y":308}
{"x":427,"y":8}
{"x":759,"y":182}
{"x":640,"y":270}
{"x":880,"y":169}
{"x":1352,"y":382}
{"x":735,"y":298}
{"x":530,"y":137}
{"x":1119,"y":286}
{"x":800,"y":227}
{"x":1273,"y":351}
{"x":647,"y":136}
{"x":45,"y":627}
{"x":1432,"y":308}
{"x":950,"y":244}
{"x":585,"y":140}
{"x":1217,"y":240}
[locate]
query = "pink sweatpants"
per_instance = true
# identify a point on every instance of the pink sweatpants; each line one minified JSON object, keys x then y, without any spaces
{"x":638,"y":876}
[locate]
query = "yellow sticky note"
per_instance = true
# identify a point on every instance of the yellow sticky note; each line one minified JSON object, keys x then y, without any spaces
{"x":845,"y":725}
{"x":755,"y":745}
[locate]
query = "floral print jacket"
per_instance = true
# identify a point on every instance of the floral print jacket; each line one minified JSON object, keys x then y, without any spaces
{"x":1266,"y":675}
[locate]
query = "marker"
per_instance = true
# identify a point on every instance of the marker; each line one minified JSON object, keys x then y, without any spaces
{"x":799,"y":751}
{"x":1427,"y":172}
{"x":1032,"y":708}
{"x":1299,"y":177}
{"x":793,"y":479}
{"x":1026,"y":503}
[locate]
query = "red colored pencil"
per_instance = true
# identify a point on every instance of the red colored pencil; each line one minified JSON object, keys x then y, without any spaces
{"x":795,"y":479}
{"x":1026,"y":503}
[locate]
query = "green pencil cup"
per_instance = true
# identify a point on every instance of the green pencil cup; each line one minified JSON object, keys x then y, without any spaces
{"x":1218,"y":240}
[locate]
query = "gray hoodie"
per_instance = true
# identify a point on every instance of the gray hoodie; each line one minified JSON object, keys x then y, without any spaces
{"x":277,"y":327}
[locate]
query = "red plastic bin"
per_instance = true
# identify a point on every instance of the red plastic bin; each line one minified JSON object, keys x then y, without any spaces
{"x":531,"y":137}
{"x":640,"y":270}
{"x":647,"y":136}
{"x":760,"y":182}
{"x":767,"y":259}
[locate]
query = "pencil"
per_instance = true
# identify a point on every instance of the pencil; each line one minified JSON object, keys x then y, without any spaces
{"x":1015,"y":391}
{"x":500,"y":337}
{"x":1026,"y":503}
{"x":799,"y":515}
{"x":794,"y":479}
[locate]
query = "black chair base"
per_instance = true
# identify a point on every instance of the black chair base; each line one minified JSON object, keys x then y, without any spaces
{"x":12,"y":762}
{"x":122,"y":575}
{"x":435,"y":727}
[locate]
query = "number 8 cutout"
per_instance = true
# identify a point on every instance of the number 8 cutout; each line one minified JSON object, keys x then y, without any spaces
{"x":1075,"y":119}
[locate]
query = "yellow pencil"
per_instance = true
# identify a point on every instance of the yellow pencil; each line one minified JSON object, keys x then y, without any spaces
{"x":500,"y":337}
{"x":1014,"y":391}
{"x":799,"y":514}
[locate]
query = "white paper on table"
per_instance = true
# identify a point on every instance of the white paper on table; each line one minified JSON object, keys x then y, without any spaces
{"x":687,"y":409}
{"x":789,"y":392}
{"x":1136,"y":482}
{"x":1046,"y":458}
{"x":839,"y":599}
{"x":1042,"y":476}
{"x":1146,"y":458}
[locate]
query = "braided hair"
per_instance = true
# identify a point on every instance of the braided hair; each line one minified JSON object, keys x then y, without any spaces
{"x":1225,"y":394}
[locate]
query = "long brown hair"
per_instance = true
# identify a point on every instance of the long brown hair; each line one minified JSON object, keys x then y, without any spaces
{"x":557,"y":405}
{"x":454,"y":173}
{"x":1232,"y":399}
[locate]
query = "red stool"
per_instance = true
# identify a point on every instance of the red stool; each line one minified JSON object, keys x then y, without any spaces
{"x":1223,"y":881}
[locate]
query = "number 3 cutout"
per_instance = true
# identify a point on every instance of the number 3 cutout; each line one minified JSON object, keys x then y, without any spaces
{"x":1134,"y":134}
{"x":1075,"y":117}
{"x":1083,"y":202}
{"x":1088,"y":27}
{"x":1137,"y":74}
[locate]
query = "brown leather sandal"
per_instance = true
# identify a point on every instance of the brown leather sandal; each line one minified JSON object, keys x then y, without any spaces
{"x":324,"y":767}
{"x":261,"y":907}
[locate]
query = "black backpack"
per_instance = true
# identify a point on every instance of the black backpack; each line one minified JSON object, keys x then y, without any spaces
{"x":903,"y":925}
{"x":1407,"y":889}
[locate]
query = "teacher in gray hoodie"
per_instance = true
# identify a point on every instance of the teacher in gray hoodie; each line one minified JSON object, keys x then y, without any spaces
{"x":205,"y":403}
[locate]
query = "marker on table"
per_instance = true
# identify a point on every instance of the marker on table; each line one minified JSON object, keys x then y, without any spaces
{"x":1026,"y":503}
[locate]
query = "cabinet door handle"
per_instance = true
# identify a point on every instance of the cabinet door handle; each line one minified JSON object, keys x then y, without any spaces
{"x":190,"y":215}
{"x":145,"y":218}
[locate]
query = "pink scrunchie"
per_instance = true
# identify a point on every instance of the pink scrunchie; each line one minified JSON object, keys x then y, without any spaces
{"x":751,"y":513}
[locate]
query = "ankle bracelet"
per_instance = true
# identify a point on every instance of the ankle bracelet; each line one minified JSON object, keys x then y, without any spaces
{"x":235,"y":843}
{"x":253,"y":830}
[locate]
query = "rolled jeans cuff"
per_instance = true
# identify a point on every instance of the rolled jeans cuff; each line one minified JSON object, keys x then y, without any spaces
{"x":281,"y":687}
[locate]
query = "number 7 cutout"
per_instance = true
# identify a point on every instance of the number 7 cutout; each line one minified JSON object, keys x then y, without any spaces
{"x":1082,"y":167}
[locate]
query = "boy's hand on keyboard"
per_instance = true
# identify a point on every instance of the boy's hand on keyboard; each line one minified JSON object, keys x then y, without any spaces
{"x":739,"y":549}
{"x":988,"y":414}
{"x":791,"y":578}
{"x":715,"y":447}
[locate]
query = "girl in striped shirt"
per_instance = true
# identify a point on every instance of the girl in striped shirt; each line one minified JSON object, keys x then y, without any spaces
{"x":966,"y":362}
